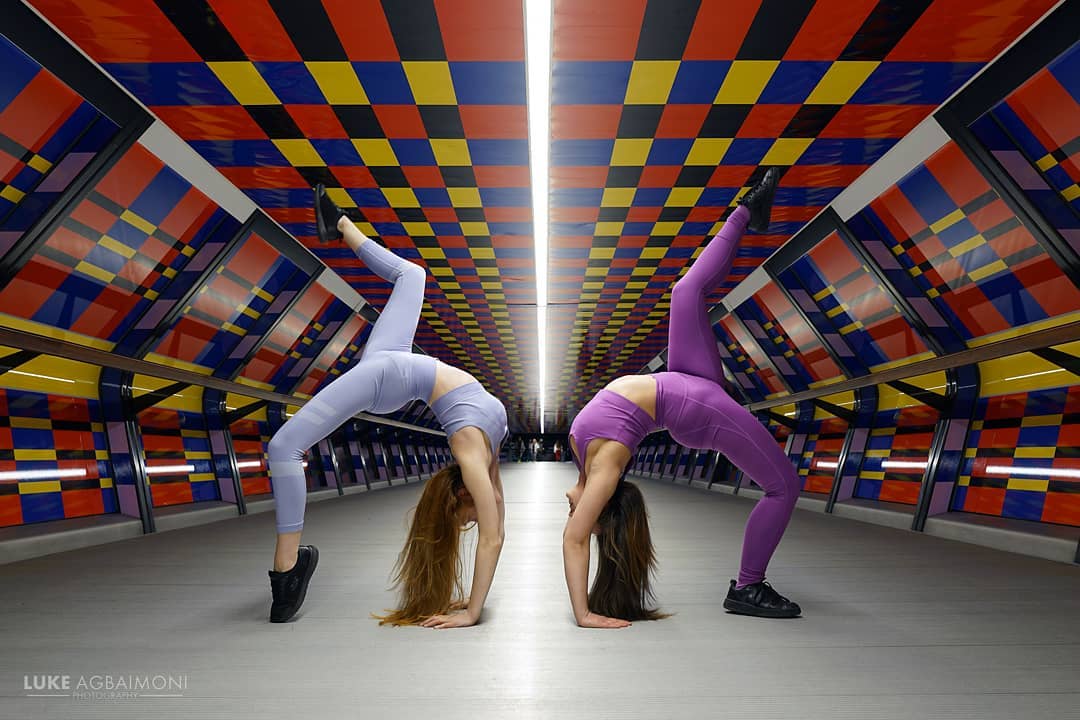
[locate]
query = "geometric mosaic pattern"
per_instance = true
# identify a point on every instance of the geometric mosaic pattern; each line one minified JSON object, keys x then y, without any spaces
{"x":821,"y":454}
{"x":895,"y":459}
{"x":299,"y":338}
{"x":335,"y":357}
{"x":968,"y":252}
{"x":752,"y":368}
{"x":179,"y":463}
{"x":832,"y":284}
{"x":415,"y":112}
{"x":244,"y":288}
{"x":116,"y":253}
{"x":1023,"y":457}
{"x":1035,"y":134}
{"x":54,"y":461}
{"x":662,"y":109}
{"x":250,"y":436}
{"x":786,"y":337}
{"x":48,"y":133}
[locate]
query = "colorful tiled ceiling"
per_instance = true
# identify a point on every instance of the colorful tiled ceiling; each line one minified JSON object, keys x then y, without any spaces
{"x":48,"y":133}
{"x":120,"y":259}
{"x":966,"y":250}
{"x":662,"y":110}
{"x":753,"y":369}
{"x":1035,"y":135}
{"x":414,"y":111}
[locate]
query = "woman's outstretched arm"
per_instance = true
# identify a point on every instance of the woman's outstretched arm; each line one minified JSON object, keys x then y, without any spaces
{"x":603,"y":479}
{"x":469,"y":447}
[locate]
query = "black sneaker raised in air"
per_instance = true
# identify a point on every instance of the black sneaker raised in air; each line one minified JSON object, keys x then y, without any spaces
{"x":327,"y":215}
{"x":289,"y":588}
{"x":758,"y":200}
{"x":760,"y":600}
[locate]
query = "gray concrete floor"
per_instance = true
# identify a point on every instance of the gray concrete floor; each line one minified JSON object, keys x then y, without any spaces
{"x":896,"y":625}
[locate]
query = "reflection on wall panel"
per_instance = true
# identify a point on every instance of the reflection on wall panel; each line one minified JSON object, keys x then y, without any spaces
{"x":969,"y":253}
{"x":750,"y":358}
{"x":48,"y":134}
{"x":1023,"y":451}
{"x":788,"y":339}
{"x":54,"y":460}
{"x":302,"y":333}
{"x":1035,"y":134}
{"x":179,"y":463}
{"x":254,"y":280}
{"x":831,"y":280}
{"x":821,"y":454}
{"x":899,"y":447}
{"x":250,"y":436}
{"x":336,"y":357}
{"x":115,"y":253}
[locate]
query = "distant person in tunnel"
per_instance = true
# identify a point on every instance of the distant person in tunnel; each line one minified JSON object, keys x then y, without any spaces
{"x":689,"y":401}
{"x":387,"y":377}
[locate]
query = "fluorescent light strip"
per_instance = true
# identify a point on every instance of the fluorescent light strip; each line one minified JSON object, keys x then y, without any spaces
{"x":42,"y":474}
{"x":169,"y":469}
{"x":244,"y":464}
{"x":827,"y":465}
{"x":906,"y":464}
{"x":42,"y":377}
{"x":538,"y":71}
{"x":1072,"y":474}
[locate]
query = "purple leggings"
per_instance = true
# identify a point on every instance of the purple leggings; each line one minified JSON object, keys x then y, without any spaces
{"x":699,"y":414}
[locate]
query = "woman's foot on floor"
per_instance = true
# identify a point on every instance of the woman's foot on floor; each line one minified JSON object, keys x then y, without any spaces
{"x":289,"y":588}
{"x":759,"y":199}
{"x":760,"y":600}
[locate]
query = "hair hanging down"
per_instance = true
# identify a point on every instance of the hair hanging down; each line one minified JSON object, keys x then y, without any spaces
{"x":428,"y":571}
{"x":623,"y":584}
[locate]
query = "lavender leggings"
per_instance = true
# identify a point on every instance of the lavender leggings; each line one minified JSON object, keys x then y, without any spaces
{"x":699,"y":414}
{"x":388,"y":376}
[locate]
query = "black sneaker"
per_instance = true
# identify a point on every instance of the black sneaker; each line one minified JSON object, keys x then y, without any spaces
{"x":759,"y":199}
{"x":760,"y":600}
{"x":289,"y":588}
{"x":327,"y":215}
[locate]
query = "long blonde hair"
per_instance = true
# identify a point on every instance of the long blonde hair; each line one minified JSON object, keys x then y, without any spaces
{"x":428,"y":571}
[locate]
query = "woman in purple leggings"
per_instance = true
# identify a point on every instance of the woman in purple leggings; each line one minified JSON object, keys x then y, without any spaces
{"x":689,"y":401}
{"x":387,"y":377}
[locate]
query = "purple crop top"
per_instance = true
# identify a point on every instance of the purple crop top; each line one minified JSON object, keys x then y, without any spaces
{"x":612,"y":417}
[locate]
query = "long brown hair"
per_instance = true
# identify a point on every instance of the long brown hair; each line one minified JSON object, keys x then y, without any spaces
{"x":623,"y":584}
{"x":428,"y":572}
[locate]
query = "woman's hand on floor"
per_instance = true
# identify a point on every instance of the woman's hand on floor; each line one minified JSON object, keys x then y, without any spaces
{"x":453,"y":620}
{"x":592,"y":620}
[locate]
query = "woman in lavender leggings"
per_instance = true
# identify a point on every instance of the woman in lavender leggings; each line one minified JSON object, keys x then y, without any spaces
{"x":388,"y":377}
{"x":690,"y":403}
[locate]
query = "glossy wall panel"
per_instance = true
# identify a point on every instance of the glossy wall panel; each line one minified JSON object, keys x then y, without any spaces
{"x":54,"y":454}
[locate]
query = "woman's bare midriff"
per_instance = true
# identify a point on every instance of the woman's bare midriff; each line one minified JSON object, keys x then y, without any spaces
{"x":447,"y":378}
{"x":638,"y":389}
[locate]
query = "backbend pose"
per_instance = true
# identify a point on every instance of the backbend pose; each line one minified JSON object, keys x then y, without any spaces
{"x":689,"y":401}
{"x":387,"y":377}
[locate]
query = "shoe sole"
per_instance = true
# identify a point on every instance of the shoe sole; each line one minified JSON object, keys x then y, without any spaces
{"x":303,"y":586}
{"x":772,"y":194}
{"x":325,"y":235}
{"x":741,"y":608}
